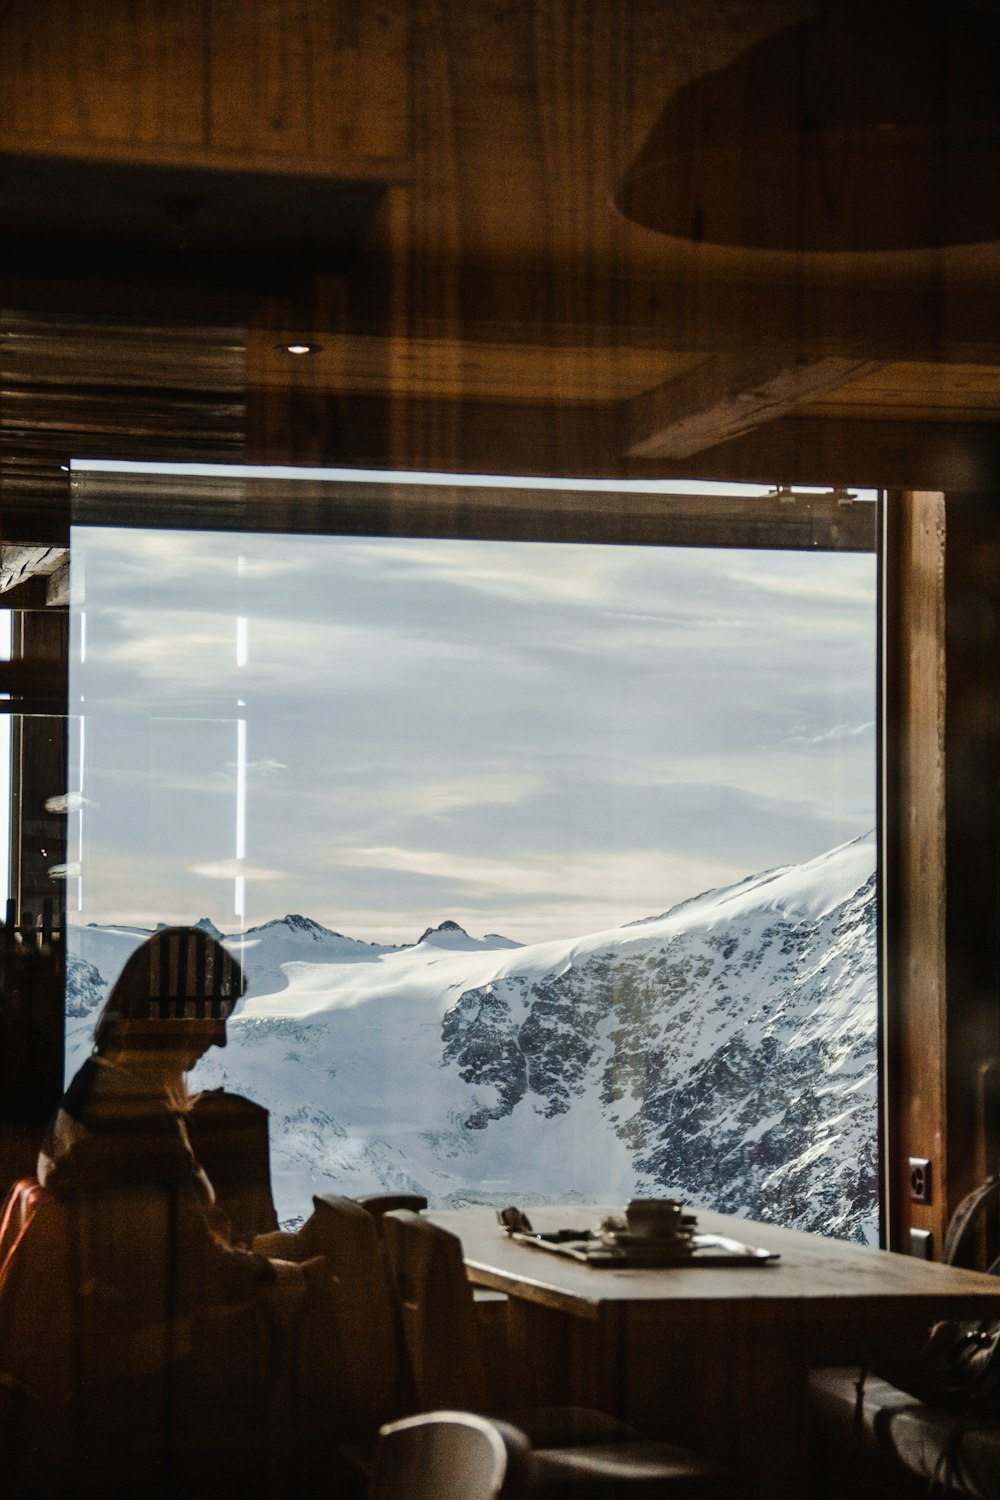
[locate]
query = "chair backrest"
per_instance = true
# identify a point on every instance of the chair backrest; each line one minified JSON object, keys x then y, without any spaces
{"x":439,"y":1314}
{"x":229,"y":1136}
{"x":451,"y":1455}
{"x":379,"y":1204}
{"x":22,"y":1200}
{"x":378,"y":1381}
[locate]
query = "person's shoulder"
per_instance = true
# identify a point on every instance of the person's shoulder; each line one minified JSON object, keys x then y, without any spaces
{"x":106,"y":1097}
{"x":81,"y":1091}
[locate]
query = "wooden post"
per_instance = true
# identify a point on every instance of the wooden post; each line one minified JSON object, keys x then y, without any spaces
{"x":914,"y":907}
{"x":941,"y":852}
{"x":972,"y":850}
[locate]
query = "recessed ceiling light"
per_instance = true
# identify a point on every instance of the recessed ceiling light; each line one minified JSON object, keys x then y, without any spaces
{"x":299,"y":348}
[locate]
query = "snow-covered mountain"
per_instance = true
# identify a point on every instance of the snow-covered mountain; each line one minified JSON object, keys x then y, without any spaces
{"x":724,"y":1051}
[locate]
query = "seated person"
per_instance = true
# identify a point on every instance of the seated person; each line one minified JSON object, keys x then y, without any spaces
{"x":118,"y":1145}
{"x":135,"y":1341}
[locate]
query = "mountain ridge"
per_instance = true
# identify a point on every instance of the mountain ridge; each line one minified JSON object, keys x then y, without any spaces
{"x":724,"y":1050}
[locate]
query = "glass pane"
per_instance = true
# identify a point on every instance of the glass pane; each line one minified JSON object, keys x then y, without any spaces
{"x":5,"y":777}
{"x":552,"y":865}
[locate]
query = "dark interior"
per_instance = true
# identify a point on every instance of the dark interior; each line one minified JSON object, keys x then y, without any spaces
{"x":670,"y":239}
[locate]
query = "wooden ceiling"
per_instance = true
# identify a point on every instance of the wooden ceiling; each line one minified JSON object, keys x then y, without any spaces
{"x":423,"y":190}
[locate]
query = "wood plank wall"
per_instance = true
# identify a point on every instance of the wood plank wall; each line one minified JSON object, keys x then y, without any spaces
{"x":318,"y":84}
{"x":914,"y":911}
{"x":78,"y":387}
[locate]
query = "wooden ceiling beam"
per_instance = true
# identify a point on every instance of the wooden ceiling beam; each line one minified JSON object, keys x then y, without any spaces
{"x":885,"y":313}
{"x":18,"y":563}
{"x":855,"y":452}
{"x":492,"y":438}
{"x":33,"y":577}
{"x":727,"y":396}
{"x":57,"y":586}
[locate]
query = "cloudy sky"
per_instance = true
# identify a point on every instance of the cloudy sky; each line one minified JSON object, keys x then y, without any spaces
{"x":532,"y":739}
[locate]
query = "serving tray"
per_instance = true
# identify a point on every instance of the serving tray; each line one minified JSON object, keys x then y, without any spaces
{"x":631,"y":1251}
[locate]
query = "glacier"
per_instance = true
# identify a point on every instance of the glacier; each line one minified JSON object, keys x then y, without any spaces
{"x":724,"y":1052}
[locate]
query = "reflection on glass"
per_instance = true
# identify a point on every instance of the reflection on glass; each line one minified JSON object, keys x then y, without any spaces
{"x":5,"y":650}
{"x":551,"y":866}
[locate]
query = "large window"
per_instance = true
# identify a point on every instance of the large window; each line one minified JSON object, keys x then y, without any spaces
{"x":552,"y":864}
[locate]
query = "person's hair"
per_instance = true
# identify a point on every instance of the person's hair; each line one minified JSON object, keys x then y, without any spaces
{"x":179,"y":975}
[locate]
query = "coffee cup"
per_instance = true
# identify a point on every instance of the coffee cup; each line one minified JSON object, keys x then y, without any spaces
{"x":654,"y":1218}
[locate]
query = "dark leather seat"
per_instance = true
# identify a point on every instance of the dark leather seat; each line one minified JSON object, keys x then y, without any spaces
{"x":900,"y":1439}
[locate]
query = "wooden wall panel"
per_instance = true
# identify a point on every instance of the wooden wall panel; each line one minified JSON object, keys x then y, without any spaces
{"x":914,"y":856}
{"x":114,"y":72}
{"x":79,"y":387}
{"x":320,"y":79}
{"x":303,"y":82}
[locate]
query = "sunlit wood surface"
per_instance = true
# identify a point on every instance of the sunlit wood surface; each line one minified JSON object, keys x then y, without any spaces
{"x":844,"y":1280}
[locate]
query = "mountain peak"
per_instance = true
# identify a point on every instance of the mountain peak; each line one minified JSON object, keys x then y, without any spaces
{"x":298,"y":923}
{"x":443,"y":929}
{"x":295,"y":922}
{"x":204,"y":924}
{"x":453,"y":937}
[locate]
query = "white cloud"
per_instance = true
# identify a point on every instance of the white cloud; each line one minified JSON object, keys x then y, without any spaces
{"x":507,"y":788}
{"x":229,"y":869}
{"x":838,"y":732}
{"x":422,"y":700}
{"x":266,"y":767}
{"x":644,"y":880}
{"x":526,"y":574}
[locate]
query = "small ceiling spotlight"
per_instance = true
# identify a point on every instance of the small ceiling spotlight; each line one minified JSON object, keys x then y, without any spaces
{"x":299,"y":348}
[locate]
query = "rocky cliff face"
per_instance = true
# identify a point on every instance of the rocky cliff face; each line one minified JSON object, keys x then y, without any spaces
{"x":86,"y":990}
{"x":737,"y":1065}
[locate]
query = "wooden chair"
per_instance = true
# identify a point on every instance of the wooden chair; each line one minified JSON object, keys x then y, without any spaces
{"x":16,"y":1212}
{"x":378,"y":1378}
{"x":491,"y":1306}
{"x":229,"y":1137}
{"x":451,"y":1455}
{"x":378,"y":1204}
{"x":374,"y":1383}
{"x":577,"y":1450}
{"x":345,"y":1235}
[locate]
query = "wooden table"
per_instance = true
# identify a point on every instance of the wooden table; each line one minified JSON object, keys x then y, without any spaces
{"x":713,"y":1357}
